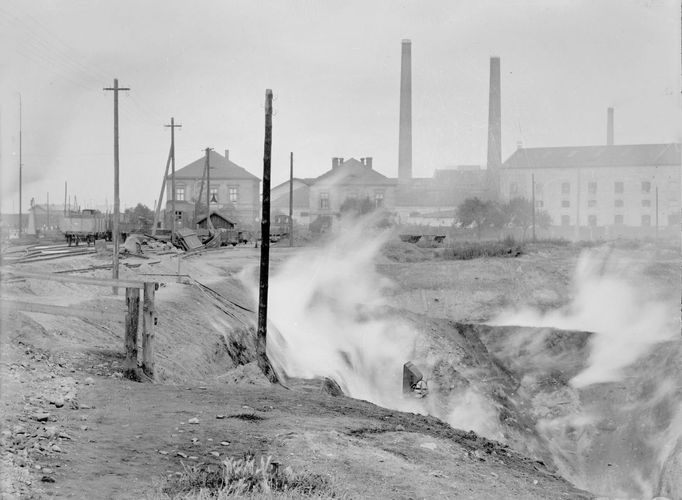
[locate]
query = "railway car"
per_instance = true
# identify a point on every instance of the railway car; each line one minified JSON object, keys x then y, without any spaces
{"x":85,"y":226}
{"x":89,"y":225}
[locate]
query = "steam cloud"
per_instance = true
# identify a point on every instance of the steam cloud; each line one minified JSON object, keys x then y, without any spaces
{"x":626,"y":321}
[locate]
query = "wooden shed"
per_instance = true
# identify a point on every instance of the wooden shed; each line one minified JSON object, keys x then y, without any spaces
{"x":218,"y":220}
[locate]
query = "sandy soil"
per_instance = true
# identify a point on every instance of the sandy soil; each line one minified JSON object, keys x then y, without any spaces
{"x":107,"y":437}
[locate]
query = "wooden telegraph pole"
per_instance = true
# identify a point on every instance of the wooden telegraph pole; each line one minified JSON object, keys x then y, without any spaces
{"x":20,"y":167}
{"x":208,"y":186}
{"x":263,"y":361}
{"x":532,"y":176}
{"x":173,"y":126}
{"x":291,"y":199}
{"x":163,"y":188}
{"x":117,"y":201}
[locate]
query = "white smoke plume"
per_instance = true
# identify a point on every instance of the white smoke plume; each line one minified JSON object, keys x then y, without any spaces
{"x":627,"y":321}
{"x":634,"y":346}
{"x":328,"y":316}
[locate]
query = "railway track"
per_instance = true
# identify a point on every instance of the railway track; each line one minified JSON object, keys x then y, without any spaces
{"x":39,"y":253}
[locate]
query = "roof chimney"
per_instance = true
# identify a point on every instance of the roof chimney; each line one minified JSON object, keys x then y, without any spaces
{"x":227,"y":154}
{"x":368,"y":162}
{"x":609,"y":127}
{"x":494,"y":126}
{"x":405,"y":135}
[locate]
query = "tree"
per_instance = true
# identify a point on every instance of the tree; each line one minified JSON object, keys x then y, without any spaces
{"x":520,"y":213}
{"x":480,"y":214}
{"x":139,"y":212}
{"x":357,"y":206}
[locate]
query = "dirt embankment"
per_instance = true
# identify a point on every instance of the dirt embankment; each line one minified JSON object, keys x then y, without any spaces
{"x":73,"y":428}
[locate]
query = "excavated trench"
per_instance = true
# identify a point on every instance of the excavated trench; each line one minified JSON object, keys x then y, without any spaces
{"x":618,"y":439}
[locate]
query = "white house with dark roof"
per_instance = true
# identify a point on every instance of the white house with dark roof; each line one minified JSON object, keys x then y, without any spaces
{"x":234,"y":191}
{"x":349,"y":179}
{"x":604,"y":191}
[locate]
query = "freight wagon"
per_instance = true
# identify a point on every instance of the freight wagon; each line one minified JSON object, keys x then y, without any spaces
{"x":85,"y":226}
{"x":89,"y":225}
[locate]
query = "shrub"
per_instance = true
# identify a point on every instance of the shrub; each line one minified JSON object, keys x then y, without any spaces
{"x":245,"y":478}
{"x":472,"y":250}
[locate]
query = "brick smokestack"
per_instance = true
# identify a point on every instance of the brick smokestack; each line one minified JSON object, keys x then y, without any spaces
{"x":494,"y":128}
{"x":405,"y":137}
{"x":609,"y":127}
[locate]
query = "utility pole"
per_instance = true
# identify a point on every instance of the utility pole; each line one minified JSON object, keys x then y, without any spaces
{"x":208,"y":187}
{"x":261,"y":353}
{"x":48,"y":210}
{"x":201,"y":192}
{"x":20,"y":166}
{"x":64,"y":198}
{"x":163,"y":187}
{"x":116,"y":89}
{"x":172,"y":126}
{"x":656,"y":213}
{"x":532,"y":176}
{"x":291,"y":199}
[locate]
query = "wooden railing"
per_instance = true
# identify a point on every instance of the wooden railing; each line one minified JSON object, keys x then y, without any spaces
{"x":132,"y":313}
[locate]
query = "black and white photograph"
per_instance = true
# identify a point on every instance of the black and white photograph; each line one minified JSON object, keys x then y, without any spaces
{"x":317,"y":249}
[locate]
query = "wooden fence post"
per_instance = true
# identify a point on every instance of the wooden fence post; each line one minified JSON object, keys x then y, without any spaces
{"x":132,"y":323}
{"x":148,"y":324}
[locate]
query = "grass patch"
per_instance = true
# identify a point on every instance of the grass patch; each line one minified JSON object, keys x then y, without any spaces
{"x":247,"y":416}
{"x":472,"y":250}
{"x":245,"y":478}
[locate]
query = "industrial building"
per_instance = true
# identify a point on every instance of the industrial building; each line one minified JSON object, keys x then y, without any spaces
{"x":588,"y":191}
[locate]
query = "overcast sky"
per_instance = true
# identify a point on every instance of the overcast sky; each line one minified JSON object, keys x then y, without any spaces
{"x":334,"y":68}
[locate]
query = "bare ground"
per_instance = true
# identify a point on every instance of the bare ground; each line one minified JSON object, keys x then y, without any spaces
{"x":120,"y":439}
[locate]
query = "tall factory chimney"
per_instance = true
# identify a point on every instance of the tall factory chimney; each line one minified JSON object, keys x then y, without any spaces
{"x":609,"y":127}
{"x":405,"y":137}
{"x":494,"y":128}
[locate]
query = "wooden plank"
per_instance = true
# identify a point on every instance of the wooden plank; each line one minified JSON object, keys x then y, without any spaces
{"x":132,"y":324}
{"x":149,"y":320}
{"x":82,"y":280}
{"x":61,"y":310}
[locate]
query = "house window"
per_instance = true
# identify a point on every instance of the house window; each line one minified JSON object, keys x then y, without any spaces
{"x":213,"y":198}
{"x":592,"y":220}
{"x":180,"y":193}
{"x":233,"y":193}
{"x":538,"y":187}
{"x":646,"y":203}
{"x":565,"y":220}
{"x":646,"y":187}
{"x":646,"y":220}
{"x":513,"y":189}
{"x":565,"y":203}
{"x":565,"y":188}
{"x":378,"y":199}
{"x":324,"y":201}
{"x":618,"y":220}
{"x":592,"y":187}
{"x":178,"y":215}
{"x":674,"y":219}
{"x":539,"y":204}
{"x":592,"y":203}
{"x":618,"y":203}
{"x":618,"y":187}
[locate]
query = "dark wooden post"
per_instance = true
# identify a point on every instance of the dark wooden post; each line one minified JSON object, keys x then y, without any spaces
{"x":149,"y":320}
{"x":132,"y":322}
{"x":263,"y":361}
